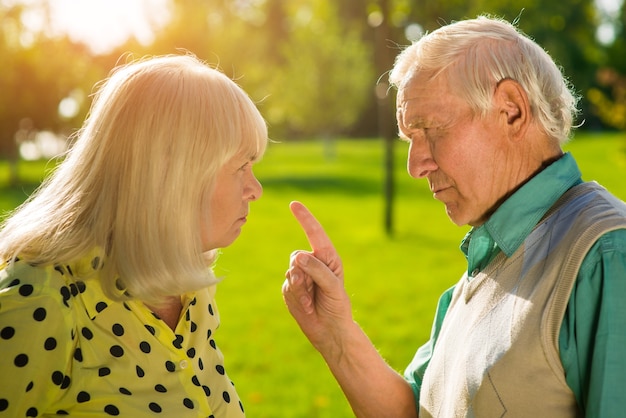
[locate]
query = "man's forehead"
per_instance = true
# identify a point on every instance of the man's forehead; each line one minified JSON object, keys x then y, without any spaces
{"x":417,"y":86}
{"x":404,"y":101}
{"x":413,"y":97}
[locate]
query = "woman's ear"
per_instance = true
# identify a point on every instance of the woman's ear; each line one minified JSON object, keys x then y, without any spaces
{"x":513,"y":105}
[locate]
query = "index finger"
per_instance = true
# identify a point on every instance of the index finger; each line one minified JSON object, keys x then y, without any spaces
{"x":313,"y":230}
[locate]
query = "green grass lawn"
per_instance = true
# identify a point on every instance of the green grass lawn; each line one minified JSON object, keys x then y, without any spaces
{"x":394,"y":281}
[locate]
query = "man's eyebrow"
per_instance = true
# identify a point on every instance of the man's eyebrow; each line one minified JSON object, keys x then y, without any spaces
{"x":416,"y":121}
{"x":405,"y":99}
{"x":403,"y":137}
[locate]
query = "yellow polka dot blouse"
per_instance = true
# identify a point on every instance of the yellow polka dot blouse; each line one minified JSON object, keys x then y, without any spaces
{"x":66,"y":349}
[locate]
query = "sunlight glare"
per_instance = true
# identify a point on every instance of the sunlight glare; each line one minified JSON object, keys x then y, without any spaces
{"x":611,"y":7}
{"x":609,"y":16}
{"x":105,"y":24}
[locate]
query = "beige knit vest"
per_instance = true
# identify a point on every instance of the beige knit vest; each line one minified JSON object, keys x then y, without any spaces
{"x":497,"y":353}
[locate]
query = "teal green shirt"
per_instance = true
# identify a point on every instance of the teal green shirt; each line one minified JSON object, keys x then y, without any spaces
{"x":592,"y":338}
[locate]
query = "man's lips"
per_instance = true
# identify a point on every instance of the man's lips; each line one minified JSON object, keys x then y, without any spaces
{"x":438,"y":190}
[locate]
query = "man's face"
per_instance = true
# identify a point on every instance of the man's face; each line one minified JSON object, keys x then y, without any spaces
{"x":467,"y":160}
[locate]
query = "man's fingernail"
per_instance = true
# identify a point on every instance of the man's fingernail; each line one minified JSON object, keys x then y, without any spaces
{"x":303,"y":260}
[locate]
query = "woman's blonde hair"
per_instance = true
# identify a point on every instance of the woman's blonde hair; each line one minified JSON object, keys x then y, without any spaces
{"x":135,"y":181}
{"x":476,"y":54}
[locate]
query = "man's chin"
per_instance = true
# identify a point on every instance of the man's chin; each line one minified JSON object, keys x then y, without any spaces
{"x":456,"y":217}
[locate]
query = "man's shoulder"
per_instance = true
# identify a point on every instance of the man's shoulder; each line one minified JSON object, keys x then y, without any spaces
{"x":591,"y":203}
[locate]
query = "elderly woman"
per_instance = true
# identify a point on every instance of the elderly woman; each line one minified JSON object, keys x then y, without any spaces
{"x":106,"y":288}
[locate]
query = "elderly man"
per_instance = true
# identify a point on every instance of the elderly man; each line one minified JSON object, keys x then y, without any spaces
{"x":537,"y":324}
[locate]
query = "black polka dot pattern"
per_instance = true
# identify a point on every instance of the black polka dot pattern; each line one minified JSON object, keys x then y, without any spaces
{"x":105,"y":358}
{"x":50,"y":344}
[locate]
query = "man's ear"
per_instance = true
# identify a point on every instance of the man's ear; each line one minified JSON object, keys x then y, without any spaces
{"x":513,"y":105}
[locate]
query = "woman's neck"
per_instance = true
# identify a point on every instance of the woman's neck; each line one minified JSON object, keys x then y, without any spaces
{"x":169,"y":311}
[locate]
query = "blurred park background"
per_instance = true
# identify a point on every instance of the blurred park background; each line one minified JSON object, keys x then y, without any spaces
{"x":317,"y":69}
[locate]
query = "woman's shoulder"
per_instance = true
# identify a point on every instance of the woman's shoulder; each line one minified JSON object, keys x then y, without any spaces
{"x":19,"y":276}
{"x":27,"y":278}
{"x":22,"y":283}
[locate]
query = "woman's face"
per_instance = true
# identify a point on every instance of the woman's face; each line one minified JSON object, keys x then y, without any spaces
{"x":235,"y":187}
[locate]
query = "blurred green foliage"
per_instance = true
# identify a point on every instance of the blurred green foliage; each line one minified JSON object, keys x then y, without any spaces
{"x":313,"y":65}
{"x":394,"y":281}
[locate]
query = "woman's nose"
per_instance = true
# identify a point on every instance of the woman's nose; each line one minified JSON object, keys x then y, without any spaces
{"x":255,"y":189}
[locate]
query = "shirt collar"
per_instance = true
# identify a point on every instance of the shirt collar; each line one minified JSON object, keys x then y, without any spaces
{"x":90,"y":289}
{"x":86,"y":271}
{"x":513,"y":221}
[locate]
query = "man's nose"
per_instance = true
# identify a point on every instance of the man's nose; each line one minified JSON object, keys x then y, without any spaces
{"x":420,"y":161}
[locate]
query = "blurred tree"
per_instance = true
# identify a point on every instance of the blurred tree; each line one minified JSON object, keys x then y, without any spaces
{"x":608,"y":97}
{"x":196,"y":26}
{"x":231,"y":35}
{"x":312,"y":65}
{"x":38,"y":73}
{"x":309,"y":70}
{"x":379,"y":19}
{"x":327,"y":76}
